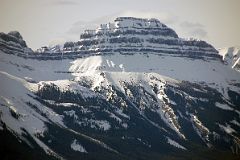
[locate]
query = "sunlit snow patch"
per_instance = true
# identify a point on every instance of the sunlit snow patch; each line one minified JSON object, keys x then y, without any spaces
{"x":78,"y":147}
{"x":175,"y":144}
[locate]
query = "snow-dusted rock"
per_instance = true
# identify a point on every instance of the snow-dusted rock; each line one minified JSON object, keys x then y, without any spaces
{"x":231,"y":56}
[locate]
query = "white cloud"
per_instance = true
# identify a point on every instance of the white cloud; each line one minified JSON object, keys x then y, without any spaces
{"x":57,"y":41}
{"x":187,"y":24}
{"x":196,"y":30}
{"x":199,"y":32}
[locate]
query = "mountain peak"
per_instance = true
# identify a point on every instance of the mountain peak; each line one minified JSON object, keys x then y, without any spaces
{"x":134,"y":25}
{"x":139,"y":22}
{"x":139,"y":35}
{"x":13,"y":37}
{"x":16,"y":34}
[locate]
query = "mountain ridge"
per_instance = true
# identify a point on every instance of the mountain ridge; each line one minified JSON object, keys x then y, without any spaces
{"x":129,"y":34}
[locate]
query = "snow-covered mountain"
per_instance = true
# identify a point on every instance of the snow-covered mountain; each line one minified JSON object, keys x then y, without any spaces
{"x":131,"y":89}
{"x":130,"y":35}
{"x":231,"y":56}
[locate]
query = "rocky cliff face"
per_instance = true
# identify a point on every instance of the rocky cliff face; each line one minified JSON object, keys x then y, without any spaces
{"x":126,"y":35}
{"x":13,"y":43}
{"x":129,"y":35}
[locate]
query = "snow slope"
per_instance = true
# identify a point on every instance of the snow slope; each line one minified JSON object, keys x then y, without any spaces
{"x":103,"y":71}
{"x":120,"y":67}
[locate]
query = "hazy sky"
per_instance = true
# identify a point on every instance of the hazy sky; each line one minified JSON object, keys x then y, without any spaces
{"x":43,"y":22}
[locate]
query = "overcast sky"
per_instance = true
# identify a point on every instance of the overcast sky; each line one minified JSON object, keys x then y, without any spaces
{"x":44,"y":22}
